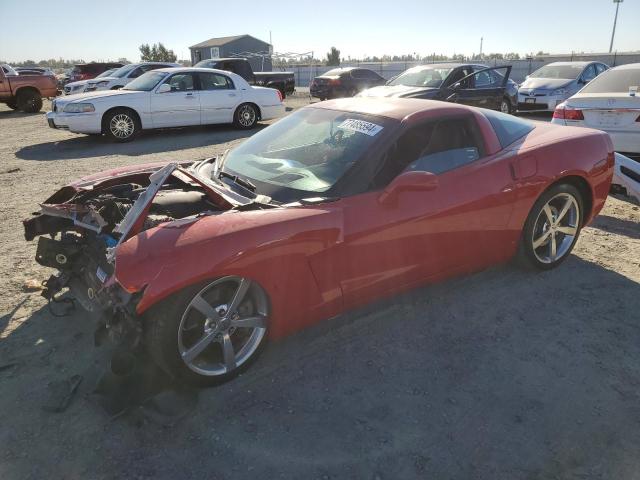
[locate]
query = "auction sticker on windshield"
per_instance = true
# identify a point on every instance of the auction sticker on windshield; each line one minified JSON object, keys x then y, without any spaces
{"x":361,"y":126}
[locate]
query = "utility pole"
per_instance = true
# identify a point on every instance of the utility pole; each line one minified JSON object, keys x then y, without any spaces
{"x":615,"y":20}
{"x":481,"y":47}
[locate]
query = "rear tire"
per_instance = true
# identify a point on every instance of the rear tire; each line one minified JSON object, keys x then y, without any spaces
{"x":121,"y":125}
{"x":12,"y":104}
{"x":505,"y":106}
{"x":210,"y":348}
{"x":29,"y":101}
{"x":552,"y":228}
{"x":246,"y":116}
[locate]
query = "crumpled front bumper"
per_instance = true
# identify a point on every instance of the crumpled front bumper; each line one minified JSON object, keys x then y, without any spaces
{"x":626,"y":174}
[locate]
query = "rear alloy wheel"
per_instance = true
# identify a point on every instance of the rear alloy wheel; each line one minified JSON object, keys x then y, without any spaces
{"x":552,"y":228}
{"x":29,"y":101}
{"x":246,"y":116}
{"x":505,"y":106}
{"x":121,"y":125}
{"x":209,"y":335}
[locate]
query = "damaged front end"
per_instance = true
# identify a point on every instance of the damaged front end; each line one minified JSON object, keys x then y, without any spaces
{"x":82,"y":225}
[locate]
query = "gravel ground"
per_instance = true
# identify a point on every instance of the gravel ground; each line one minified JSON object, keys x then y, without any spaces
{"x":503,"y":374}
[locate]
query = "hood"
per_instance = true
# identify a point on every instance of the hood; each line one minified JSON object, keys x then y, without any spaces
{"x":396,"y":91}
{"x":77,"y":84}
{"x":82,"y":97}
{"x":546,"y":83}
{"x":102,"y":79}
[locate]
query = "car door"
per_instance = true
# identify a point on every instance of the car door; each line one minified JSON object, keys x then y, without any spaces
{"x":218,"y":98}
{"x":460,"y":225}
{"x":484,"y":88}
{"x":178,"y":107}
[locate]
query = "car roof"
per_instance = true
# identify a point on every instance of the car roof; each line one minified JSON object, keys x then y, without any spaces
{"x":628,"y":66}
{"x":572,"y":63}
{"x":191,"y":69}
{"x":395,"y":108}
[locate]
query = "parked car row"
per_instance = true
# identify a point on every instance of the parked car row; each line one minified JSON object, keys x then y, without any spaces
{"x":468,"y":83}
{"x":113,"y":79}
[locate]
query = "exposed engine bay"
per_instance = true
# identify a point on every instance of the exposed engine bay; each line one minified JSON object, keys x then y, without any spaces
{"x":81,"y":226}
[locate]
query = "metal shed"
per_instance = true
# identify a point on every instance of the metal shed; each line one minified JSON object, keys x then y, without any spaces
{"x":256,"y":51}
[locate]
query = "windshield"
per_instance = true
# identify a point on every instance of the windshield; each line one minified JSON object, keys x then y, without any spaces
{"x":614,"y":81}
{"x":558,"y":71}
{"x":146,"y":82}
{"x":122,"y":71}
{"x":306,"y":152}
{"x":107,"y":73}
{"x":422,"y":77}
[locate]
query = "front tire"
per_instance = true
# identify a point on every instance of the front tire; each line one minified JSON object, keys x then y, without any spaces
{"x":29,"y":101}
{"x":552,"y":228}
{"x":121,"y":125}
{"x":505,"y":106}
{"x":12,"y":104}
{"x":209,"y":333}
{"x":246,"y":116}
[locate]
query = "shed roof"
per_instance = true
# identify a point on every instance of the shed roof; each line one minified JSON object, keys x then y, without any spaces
{"x":219,"y":41}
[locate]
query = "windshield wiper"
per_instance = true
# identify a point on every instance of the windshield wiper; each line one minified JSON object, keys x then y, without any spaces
{"x":243,"y":182}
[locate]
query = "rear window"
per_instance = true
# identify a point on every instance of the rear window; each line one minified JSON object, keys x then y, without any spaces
{"x":507,"y":127}
{"x":333,"y":73}
{"x":614,"y":81}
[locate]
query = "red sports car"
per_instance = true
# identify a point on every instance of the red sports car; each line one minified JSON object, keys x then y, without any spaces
{"x":336,"y":205}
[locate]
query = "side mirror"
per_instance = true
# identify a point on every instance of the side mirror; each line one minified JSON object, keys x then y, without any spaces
{"x":408,"y":182}
{"x":164,"y":88}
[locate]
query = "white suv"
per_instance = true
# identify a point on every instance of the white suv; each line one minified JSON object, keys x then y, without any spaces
{"x":124,"y":75}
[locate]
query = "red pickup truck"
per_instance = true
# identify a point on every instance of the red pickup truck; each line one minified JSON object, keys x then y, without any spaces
{"x":25,"y":92}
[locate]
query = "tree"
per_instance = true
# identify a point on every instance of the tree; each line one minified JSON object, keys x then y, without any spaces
{"x":156,"y":53}
{"x":512,"y":56}
{"x":333,"y":57}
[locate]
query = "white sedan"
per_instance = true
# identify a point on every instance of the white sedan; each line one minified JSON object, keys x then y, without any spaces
{"x":169,"y":97}
{"x":611,"y":102}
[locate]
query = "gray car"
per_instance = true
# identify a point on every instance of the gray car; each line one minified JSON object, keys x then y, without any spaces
{"x":552,"y":84}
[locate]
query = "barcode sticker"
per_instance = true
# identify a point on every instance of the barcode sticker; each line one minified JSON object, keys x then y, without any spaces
{"x":361,"y":126}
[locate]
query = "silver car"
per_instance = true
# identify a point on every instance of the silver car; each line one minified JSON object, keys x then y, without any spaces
{"x":552,"y":84}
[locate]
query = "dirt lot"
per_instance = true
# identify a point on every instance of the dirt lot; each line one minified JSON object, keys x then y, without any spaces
{"x":503,"y":374}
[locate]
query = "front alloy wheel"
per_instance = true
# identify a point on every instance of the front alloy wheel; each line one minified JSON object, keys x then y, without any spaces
{"x":121,"y":125}
{"x":209,"y":335}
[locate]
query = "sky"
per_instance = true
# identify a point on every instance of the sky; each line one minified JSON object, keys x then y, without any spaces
{"x":95,"y":31}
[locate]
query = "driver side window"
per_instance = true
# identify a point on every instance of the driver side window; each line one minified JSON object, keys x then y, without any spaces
{"x":436,"y":147}
{"x":181,"y":82}
{"x":589,"y":74}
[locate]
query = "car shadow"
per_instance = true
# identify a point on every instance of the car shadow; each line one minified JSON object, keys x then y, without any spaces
{"x":17,"y":114}
{"x":151,"y":141}
{"x":502,"y":374}
{"x":628,"y":228}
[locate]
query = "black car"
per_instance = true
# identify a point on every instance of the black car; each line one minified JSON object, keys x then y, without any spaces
{"x":344,"y":82}
{"x":471,"y":84}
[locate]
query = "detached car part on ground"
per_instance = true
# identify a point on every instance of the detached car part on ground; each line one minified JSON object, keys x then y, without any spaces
{"x":470,"y":84}
{"x":339,"y":204}
{"x":170,"y":97}
{"x":25,"y":92}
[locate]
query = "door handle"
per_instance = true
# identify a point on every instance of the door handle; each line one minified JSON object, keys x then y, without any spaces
{"x":232,"y":94}
{"x":189,"y":95}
